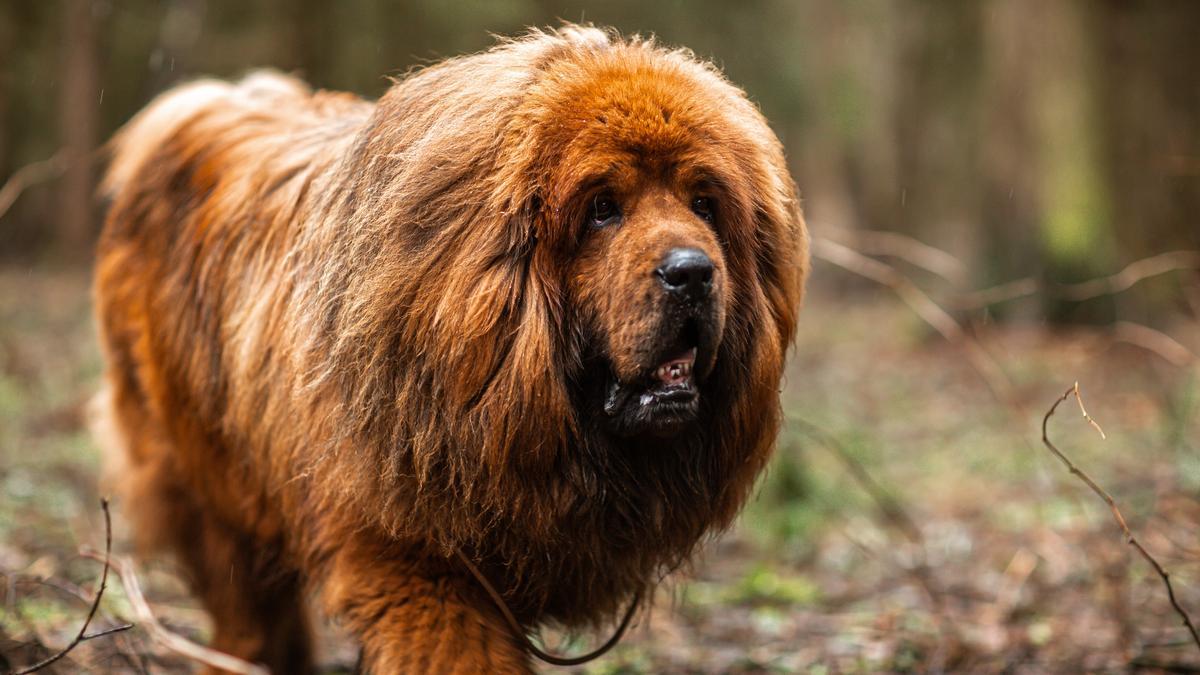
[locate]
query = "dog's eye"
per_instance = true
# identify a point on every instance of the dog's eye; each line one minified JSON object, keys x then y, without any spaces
{"x":703,"y":207}
{"x":604,"y":211}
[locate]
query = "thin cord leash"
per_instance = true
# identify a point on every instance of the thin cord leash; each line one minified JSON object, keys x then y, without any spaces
{"x":519,"y":632}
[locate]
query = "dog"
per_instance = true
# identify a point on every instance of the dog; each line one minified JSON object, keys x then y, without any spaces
{"x":517,"y":327}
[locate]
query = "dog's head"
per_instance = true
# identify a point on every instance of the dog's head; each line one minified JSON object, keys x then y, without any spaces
{"x":655,"y":182}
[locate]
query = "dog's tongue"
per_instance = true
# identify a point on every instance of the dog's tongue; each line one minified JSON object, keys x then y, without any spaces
{"x":677,"y":370}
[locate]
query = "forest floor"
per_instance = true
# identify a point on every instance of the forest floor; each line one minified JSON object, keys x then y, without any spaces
{"x":912,"y":520}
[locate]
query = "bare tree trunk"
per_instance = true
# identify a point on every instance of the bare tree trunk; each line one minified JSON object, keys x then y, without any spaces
{"x":78,"y":111}
{"x":308,"y":37}
{"x":938,"y":60}
{"x":1150,"y":103}
{"x":1044,"y":203}
{"x":1009,"y":207}
{"x":6,"y":84}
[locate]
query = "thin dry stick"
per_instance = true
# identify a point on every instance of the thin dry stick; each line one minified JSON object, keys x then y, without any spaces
{"x":83,"y":635}
{"x":1112,"y":504}
{"x":1165,"y":346}
{"x":941,"y":321}
{"x":1132,"y":274}
{"x":67,"y":589}
{"x":172,"y":641}
{"x":889,"y":507}
{"x":994,"y":295}
{"x":29,"y":175}
{"x":913,"y":251}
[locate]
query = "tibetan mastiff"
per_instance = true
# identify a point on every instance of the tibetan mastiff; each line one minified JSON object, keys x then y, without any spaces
{"x":517,"y":326}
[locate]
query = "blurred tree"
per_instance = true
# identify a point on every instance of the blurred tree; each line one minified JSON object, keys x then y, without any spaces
{"x":1150,"y":121}
{"x":937,"y":83}
{"x":7,"y":25}
{"x":1044,"y":205}
{"x":307,"y":35}
{"x":79,"y":94}
{"x":1008,"y":209}
{"x":1074,"y":220}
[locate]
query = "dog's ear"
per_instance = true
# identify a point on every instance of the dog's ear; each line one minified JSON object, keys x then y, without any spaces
{"x":770,"y":239}
{"x":500,"y":325}
{"x":782,"y":258}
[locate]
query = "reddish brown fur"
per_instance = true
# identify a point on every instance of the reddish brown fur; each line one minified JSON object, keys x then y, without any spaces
{"x":346,"y":338}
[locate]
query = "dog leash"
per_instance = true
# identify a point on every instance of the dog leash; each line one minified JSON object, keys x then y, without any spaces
{"x":519,"y":632}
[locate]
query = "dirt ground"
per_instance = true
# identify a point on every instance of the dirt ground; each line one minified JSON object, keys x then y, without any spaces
{"x":911,"y":522}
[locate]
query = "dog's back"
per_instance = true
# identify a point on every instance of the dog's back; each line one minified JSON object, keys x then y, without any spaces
{"x":202,"y":180}
{"x":203,"y":184}
{"x":268,"y":116}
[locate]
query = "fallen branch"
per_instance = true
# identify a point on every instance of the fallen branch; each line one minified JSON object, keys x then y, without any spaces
{"x":29,"y":175}
{"x":1157,"y":342}
{"x":172,"y":641}
{"x":994,"y":295}
{"x":911,"y":250}
{"x":1112,"y":504}
{"x":1132,"y":274}
{"x":938,"y":318}
{"x":83,"y":635}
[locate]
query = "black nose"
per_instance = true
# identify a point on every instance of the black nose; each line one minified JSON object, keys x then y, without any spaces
{"x":686,"y":271}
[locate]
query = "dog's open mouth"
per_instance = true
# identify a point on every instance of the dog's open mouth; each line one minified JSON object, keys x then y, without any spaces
{"x":666,"y":398}
{"x":677,"y":371}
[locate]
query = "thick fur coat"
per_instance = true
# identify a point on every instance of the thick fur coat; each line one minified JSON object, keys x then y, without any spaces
{"x":345,"y":339}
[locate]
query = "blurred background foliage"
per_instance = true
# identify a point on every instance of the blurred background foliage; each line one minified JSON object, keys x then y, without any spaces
{"x":1057,"y":140}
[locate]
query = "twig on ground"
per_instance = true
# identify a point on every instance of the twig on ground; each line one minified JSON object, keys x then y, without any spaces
{"x":173,"y":641}
{"x":29,"y":175}
{"x":1112,"y":504}
{"x":66,"y":588}
{"x":889,"y":507}
{"x":895,"y":515}
{"x":83,"y":635}
{"x":70,"y":590}
{"x":1144,"y":663}
{"x":1013,"y":579}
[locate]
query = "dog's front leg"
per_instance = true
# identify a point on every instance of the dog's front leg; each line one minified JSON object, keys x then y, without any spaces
{"x":410,"y":620}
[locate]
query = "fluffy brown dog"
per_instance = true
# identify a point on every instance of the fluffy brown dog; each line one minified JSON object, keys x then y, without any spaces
{"x":532,"y":306}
